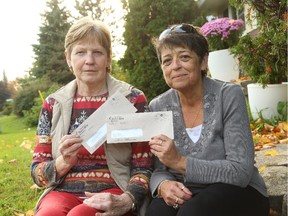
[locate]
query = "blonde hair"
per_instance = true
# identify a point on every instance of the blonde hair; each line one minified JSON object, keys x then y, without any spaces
{"x":88,"y":29}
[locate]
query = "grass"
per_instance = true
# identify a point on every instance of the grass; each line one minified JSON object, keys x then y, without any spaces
{"x":16,"y":146}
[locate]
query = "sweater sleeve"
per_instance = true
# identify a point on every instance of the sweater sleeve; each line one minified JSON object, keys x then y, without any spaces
{"x":160,"y":174}
{"x":142,"y":162}
{"x":234,"y":139}
{"x":42,"y":168}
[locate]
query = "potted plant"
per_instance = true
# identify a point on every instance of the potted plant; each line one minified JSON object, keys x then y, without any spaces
{"x":223,"y":33}
{"x":263,"y":57}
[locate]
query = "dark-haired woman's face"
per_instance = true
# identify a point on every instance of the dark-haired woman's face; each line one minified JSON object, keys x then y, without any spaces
{"x":181,"y":67}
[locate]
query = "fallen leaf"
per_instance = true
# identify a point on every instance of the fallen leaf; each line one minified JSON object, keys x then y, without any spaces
{"x":13,"y":161}
{"x":268,"y":127}
{"x":18,"y":214}
{"x":268,"y":145}
{"x":35,"y":186}
{"x":284,"y":140}
{"x":27,"y":144}
{"x":29,"y":213}
{"x":259,"y":120}
{"x":261,"y":169}
{"x":258,"y":147}
{"x":266,"y":140}
{"x":271,"y":153}
{"x":283,"y":126}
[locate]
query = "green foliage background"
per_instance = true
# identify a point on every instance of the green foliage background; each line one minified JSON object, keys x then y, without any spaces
{"x":144,"y":21}
{"x":50,"y":62}
{"x":264,"y":57}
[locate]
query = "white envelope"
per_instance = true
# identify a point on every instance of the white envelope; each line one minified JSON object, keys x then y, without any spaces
{"x":93,"y":130}
{"x":138,"y":127}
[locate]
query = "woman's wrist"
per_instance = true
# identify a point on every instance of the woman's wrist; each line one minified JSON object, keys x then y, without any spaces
{"x":159,"y":195}
{"x":181,"y":165}
{"x":61,"y":167}
{"x":132,"y":198}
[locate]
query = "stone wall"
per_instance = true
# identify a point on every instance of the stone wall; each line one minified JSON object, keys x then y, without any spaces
{"x":273,"y":167}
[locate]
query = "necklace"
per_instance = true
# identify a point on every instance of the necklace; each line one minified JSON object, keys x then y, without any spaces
{"x":199,"y":108}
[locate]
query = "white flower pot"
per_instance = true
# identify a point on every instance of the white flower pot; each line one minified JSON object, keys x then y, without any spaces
{"x":266,"y":100}
{"x":223,"y":66}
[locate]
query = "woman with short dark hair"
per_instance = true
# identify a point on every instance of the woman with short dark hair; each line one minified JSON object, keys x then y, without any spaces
{"x":208,"y":169}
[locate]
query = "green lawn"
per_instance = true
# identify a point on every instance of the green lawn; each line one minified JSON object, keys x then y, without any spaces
{"x":16,"y":146}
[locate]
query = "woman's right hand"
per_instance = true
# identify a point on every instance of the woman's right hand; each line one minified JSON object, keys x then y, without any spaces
{"x":174,"y":193}
{"x":69,"y":147}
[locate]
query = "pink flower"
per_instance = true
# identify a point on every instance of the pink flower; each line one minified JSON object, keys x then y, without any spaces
{"x":222,"y":32}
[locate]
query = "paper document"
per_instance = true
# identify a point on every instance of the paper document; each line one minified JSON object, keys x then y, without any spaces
{"x":138,"y":127}
{"x":93,"y":130}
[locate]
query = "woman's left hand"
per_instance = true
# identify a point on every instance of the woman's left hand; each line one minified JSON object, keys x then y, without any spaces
{"x":174,"y":193}
{"x":110,"y":204}
{"x":164,"y":148}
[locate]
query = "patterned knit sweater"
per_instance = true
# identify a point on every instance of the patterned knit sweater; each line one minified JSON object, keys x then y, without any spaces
{"x":91,"y":173}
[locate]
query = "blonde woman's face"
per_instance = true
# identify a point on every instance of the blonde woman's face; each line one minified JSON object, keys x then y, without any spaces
{"x":89,"y":62}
